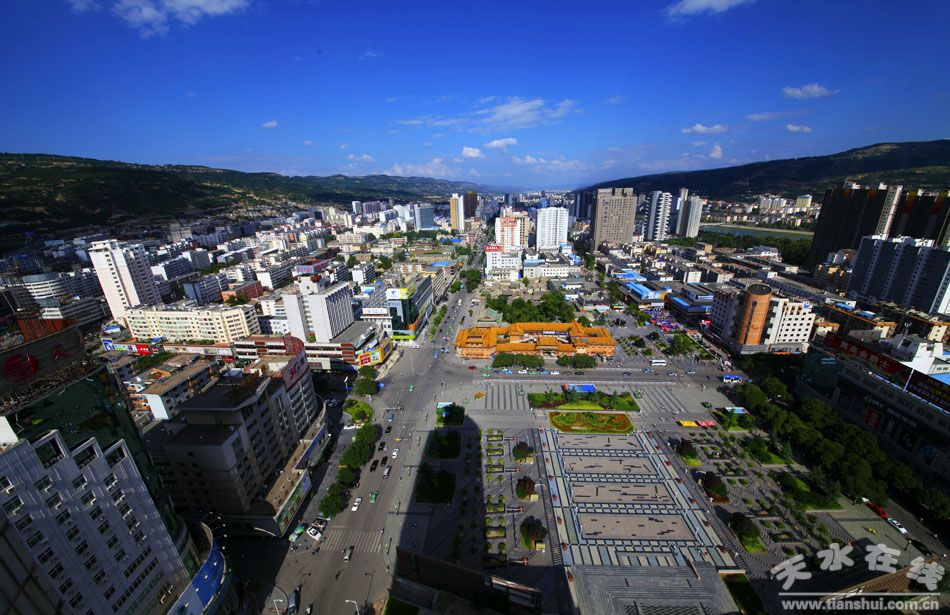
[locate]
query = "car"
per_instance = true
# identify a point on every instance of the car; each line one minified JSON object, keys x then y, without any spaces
{"x":578,"y":373}
{"x":389,"y":429}
{"x":387,"y":471}
{"x":555,"y":373}
{"x":382,"y":446}
{"x":472,"y":367}
{"x":522,"y":371}
{"x":348,"y":553}
{"x":373,"y":466}
{"x":627,"y":373}
{"x":356,"y":504}
{"x":350,"y":426}
{"x":373,"y":496}
{"x":391,"y":417}
{"x":383,"y":461}
{"x":671,"y":373}
{"x":691,"y":372}
{"x":320,"y":523}
{"x":395,"y":453}
{"x":897,"y":525}
{"x":647,"y":370}
{"x":412,"y":387}
{"x":880,"y":512}
{"x":314,"y":533}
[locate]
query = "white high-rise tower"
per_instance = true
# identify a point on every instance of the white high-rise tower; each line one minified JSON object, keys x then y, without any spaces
{"x":552,"y":228}
{"x":125,"y":276}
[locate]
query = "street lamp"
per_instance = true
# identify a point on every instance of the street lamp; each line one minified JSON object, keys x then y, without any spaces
{"x":355,"y":605}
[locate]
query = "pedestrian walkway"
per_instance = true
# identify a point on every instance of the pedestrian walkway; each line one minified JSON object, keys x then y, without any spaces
{"x":363,"y":541}
{"x":659,"y":398}
{"x":505,"y":398}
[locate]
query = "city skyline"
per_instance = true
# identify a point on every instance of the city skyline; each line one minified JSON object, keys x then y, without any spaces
{"x":300,"y":88}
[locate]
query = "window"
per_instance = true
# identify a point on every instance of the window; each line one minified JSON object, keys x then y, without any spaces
{"x":110,"y":480}
{"x":82,"y":548}
{"x":117,"y":496}
{"x":24,"y":523}
{"x":125,"y":509}
{"x":76,"y":601}
{"x":56,"y":571}
{"x":63,"y":517}
{"x":72,"y":533}
{"x":66,"y":586}
{"x":99,"y":577}
{"x":88,"y":498}
{"x":5,"y":483}
{"x":12,"y":505}
{"x":103,"y":527}
{"x":95,"y":513}
{"x":120,"y":555}
{"x":44,"y":483}
{"x":45,"y":556}
{"x":113,"y":541}
{"x":35,"y":539}
{"x":91,"y":563}
{"x":79,"y":482}
{"x":109,"y":592}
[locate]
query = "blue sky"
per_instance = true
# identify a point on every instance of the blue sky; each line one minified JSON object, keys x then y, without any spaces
{"x":525,"y":93}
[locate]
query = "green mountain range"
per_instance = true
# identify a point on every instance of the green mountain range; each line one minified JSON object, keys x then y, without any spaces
{"x":922,"y":164}
{"x":42,"y":193}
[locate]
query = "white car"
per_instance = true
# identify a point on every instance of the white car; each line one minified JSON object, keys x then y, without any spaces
{"x":350,"y":426}
{"x":395,"y":453}
{"x":315,"y":533}
{"x":897,"y":525}
{"x":522,"y":371}
{"x":356,"y":504}
{"x":555,"y":373}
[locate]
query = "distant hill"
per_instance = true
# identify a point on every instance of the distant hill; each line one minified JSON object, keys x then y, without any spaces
{"x":40,"y":192}
{"x":923,"y":164}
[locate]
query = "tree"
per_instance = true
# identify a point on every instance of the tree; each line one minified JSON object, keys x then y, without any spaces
{"x":743,"y":526}
{"x":368,"y":371}
{"x":775,"y":389}
{"x":351,"y":262}
{"x":521,"y":451}
{"x":713,"y":485}
{"x":365,"y":386}
{"x":584,"y":321}
{"x":348,"y":476}
{"x":384,"y":263}
{"x":532,"y":532}
{"x":524,"y":488}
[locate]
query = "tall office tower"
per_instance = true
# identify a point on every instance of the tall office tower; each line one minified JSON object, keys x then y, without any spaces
{"x":511,"y":232}
{"x":319,"y":316}
{"x":850,"y":212}
{"x":457,"y":212}
{"x":690,"y":216}
{"x":424,"y":216}
{"x":802,"y":203}
{"x":910,"y":272}
{"x":125,"y":276}
{"x":552,"y":228}
{"x":470,"y":204}
{"x":357,"y":207}
{"x":676,"y":212}
{"x":614,"y":217}
{"x":659,"y":219}
{"x":582,"y":204}
{"x":923,"y":215}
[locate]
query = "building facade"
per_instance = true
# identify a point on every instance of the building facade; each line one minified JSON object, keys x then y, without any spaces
{"x":906,"y":271}
{"x":125,"y":276}
{"x":659,"y":220}
{"x":222,"y":324}
{"x":551,"y":229}
{"x":614,"y":216}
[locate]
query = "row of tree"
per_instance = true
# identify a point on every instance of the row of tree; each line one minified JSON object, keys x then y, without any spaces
{"x":552,"y":307}
{"x":355,"y":457}
{"x":508,"y":359}
{"x":577,"y":361}
{"x":844,"y":458}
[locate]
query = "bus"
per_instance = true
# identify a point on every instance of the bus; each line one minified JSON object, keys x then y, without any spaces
{"x":658,"y":362}
{"x":731,"y":379}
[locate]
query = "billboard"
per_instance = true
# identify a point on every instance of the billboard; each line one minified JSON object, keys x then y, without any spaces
{"x":493,"y":248}
{"x":877,"y":361}
{"x":217,"y":351}
{"x":397,"y":293}
{"x":930,"y":389}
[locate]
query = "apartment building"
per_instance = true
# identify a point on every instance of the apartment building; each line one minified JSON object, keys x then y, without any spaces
{"x":221,"y":324}
{"x":125,"y":276}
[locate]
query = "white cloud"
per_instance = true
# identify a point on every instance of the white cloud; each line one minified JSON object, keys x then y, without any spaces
{"x":270,"y":124}
{"x":474,"y":173}
{"x":501,"y":143}
{"x":307,"y":142}
{"x":616,"y":99}
{"x":809,"y":90}
{"x":549,"y":165}
{"x":472,"y":152}
{"x":716,"y":152}
{"x":81,"y":6}
{"x":344,"y":145}
{"x":687,"y":8}
{"x":370,"y":54}
{"x":359,"y":158}
{"x":486,"y":99}
{"x":797,"y":128}
{"x":434,"y":168}
{"x":700,"y":143}
{"x":151,"y":17}
{"x":699,"y":129}
{"x":514,"y":113}
{"x":766,"y":116}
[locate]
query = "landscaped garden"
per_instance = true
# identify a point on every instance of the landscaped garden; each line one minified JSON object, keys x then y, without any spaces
{"x":452,"y":414}
{"x":533,"y":534}
{"x":575,"y":400}
{"x":758,"y":448}
{"x":590,"y":422}
{"x":434,"y":486}
{"x":802,"y":492}
{"x":522,"y":453}
{"x":747,"y":532}
{"x":444,"y":445}
{"x":359,"y":411}
{"x":688,"y":452}
{"x":714,"y":487}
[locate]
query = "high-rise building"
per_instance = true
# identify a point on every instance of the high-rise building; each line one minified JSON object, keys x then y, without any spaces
{"x":690,"y":216}
{"x":424,"y":216}
{"x":923,"y":215}
{"x":582,"y":204}
{"x":614,"y":216}
{"x":319,"y":316}
{"x":659,"y":220}
{"x":470,"y":204}
{"x":125,"y":276}
{"x":802,"y":203}
{"x":511,"y":231}
{"x":457,"y":212}
{"x":907,"y":271}
{"x":84,"y":524}
{"x":676,"y":212}
{"x":552,"y":228}
{"x":409,"y":307}
{"x":850,"y":212}
{"x":757,"y":320}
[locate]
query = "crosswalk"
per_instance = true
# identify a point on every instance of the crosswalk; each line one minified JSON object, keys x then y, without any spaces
{"x":363,"y":541}
{"x":659,"y":398}
{"x":505,"y":397}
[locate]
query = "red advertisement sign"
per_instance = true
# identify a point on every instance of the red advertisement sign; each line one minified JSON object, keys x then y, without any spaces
{"x":493,"y":248}
{"x":874,"y":359}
